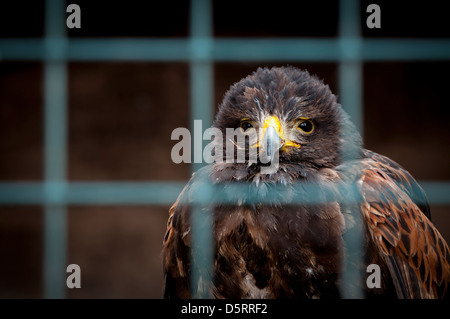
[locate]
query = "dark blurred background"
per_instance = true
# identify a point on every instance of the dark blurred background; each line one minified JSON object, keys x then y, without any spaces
{"x":121,"y":116}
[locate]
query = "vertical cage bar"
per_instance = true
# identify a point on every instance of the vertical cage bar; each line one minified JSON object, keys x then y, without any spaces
{"x":55,"y":109}
{"x":201,"y":74}
{"x":202,"y":88}
{"x":350,"y":65}
{"x":350,"y":92}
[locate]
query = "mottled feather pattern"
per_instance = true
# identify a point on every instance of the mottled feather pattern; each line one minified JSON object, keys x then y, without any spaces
{"x":403,"y":233}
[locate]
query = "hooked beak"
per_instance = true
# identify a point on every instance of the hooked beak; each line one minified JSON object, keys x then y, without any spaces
{"x":271,"y":144}
{"x":273,"y":140}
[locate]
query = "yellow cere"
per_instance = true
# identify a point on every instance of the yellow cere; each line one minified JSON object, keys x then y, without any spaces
{"x":275,"y":123}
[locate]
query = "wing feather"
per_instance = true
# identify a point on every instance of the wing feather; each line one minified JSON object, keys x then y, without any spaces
{"x":403,"y":179}
{"x":176,"y":257}
{"x":412,"y":248}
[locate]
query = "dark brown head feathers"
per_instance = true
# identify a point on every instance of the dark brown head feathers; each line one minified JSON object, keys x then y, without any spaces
{"x":290,"y":94}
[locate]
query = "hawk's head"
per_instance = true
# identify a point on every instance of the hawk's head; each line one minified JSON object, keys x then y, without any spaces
{"x":295,"y":116}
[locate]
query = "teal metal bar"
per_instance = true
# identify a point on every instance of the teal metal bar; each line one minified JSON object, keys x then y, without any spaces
{"x":350,"y":66}
{"x":55,"y":136}
{"x":201,"y":75}
{"x":145,"y":193}
{"x":55,"y":117}
{"x":350,"y":96}
{"x":90,"y":193}
{"x":231,"y":50}
{"x":351,"y":91}
{"x":202,"y":88}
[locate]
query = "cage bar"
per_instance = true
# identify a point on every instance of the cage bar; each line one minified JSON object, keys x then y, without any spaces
{"x":202,"y":88}
{"x":350,"y":96}
{"x":55,"y":136}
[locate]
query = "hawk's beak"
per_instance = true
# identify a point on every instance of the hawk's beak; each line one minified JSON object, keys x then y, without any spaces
{"x":271,"y":143}
{"x":273,"y":139}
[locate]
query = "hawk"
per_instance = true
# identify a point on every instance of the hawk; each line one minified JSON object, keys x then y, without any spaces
{"x":281,"y":247}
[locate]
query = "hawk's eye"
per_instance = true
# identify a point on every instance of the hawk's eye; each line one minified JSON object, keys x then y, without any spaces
{"x":246,"y":125}
{"x":306,"y":126}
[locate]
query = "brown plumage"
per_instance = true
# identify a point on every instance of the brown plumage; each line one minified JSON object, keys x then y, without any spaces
{"x":279,"y":249}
